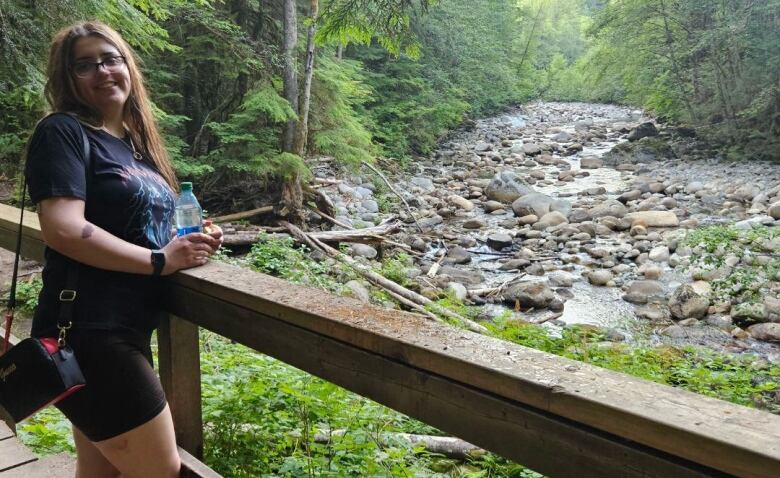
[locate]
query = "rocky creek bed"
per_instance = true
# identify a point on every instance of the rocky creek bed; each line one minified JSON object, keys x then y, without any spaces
{"x":583,"y":214}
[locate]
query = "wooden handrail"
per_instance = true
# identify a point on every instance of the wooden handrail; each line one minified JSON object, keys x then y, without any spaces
{"x":555,"y":415}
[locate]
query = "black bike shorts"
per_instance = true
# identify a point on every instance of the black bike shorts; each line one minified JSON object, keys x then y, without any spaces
{"x":122,"y":390}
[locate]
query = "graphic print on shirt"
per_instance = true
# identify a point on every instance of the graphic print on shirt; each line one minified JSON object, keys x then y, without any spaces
{"x":151,"y":208}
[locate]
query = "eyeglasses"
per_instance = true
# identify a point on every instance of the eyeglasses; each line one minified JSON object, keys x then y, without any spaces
{"x":87,"y":69}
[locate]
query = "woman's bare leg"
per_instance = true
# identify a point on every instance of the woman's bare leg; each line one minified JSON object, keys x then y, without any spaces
{"x":90,"y":462}
{"x":147,"y":451}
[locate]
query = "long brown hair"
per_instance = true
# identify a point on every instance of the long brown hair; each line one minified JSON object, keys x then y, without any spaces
{"x":62,"y":94}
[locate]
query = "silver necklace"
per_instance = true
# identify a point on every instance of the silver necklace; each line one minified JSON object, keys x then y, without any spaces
{"x":136,"y":155}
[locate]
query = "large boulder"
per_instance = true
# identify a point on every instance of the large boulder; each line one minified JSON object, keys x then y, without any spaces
{"x":642,"y":131}
{"x":655,"y":218}
{"x":769,"y":332}
{"x":610,"y":207}
{"x":529,"y":295}
{"x":645,"y":150}
{"x":537,"y":204}
{"x":748,"y":313}
{"x":686,"y":303}
{"x":507,"y":186}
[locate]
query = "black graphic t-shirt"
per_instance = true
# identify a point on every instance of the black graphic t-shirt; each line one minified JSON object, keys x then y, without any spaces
{"x":124,"y":196}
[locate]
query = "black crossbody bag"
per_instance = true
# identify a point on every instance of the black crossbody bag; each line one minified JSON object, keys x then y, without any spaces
{"x":38,"y":372}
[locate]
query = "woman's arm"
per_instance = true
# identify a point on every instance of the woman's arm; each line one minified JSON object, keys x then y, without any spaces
{"x":65,"y":230}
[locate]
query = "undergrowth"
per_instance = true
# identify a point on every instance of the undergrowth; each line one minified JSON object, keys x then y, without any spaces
{"x":757,"y":251}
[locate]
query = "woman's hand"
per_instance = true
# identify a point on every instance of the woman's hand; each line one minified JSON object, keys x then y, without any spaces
{"x":213,"y":230}
{"x":187,"y":251}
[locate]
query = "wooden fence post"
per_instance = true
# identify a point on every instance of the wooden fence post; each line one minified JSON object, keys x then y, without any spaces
{"x":179,"y":364}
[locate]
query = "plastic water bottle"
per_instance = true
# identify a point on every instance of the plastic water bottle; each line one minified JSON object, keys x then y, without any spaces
{"x":189,"y":215}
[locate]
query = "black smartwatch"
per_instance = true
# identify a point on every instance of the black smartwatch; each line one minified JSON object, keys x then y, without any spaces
{"x":158,"y":262}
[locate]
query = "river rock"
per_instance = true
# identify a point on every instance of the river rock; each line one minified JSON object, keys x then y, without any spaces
{"x":528,"y":219}
{"x":562,"y":137}
{"x":650,"y":271}
{"x":461,"y":202}
{"x":499,"y":240}
{"x":674,"y":331}
{"x":491,"y":206}
{"x":659,"y":254}
{"x":591,"y":163}
{"x":644,"y":291}
{"x":482,"y":147}
{"x":531,"y":149}
{"x":769,"y":332}
{"x":600,"y":277}
{"x":429,"y":222}
{"x":514,"y":264}
{"x":458,"y":290}
{"x":610,"y":207}
{"x":774,"y":211}
{"x":535,"y":295}
{"x":654,"y":218}
{"x":507,"y":186}
{"x":474,"y":223}
{"x":423,"y":183}
{"x":754,"y":221}
{"x":631,"y":195}
{"x":357,"y":290}
{"x":686,"y":303}
{"x":748,"y":313}
{"x":560,"y":279}
{"x":362,"y":250}
{"x":464,"y":276}
{"x":457,"y":255}
{"x":642,"y":131}
{"x":550,"y":219}
{"x":534,"y":203}
{"x":653,"y":312}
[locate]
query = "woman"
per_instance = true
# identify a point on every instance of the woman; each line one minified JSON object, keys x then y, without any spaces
{"x":108,"y":214}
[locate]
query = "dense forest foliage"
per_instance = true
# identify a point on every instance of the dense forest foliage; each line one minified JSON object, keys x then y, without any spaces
{"x":246,"y":89}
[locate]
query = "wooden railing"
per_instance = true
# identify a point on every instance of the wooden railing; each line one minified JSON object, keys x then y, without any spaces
{"x":557,"y":416}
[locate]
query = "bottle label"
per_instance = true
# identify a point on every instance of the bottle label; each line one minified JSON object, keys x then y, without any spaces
{"x":183,"y":231}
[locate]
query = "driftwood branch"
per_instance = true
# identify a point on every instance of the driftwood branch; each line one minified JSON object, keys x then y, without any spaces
{"x":408,"y":209}
{"x":243,"y":215}
{"x":368,"y":235}
{"x":380,"y":281}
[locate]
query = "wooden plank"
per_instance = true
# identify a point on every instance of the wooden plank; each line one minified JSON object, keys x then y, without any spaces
{"x":724,"y":436}
{"x":32,"y":245}
{"x":179,"y":364}
{"x":540,"y":440}
{"x":191,"y":467}
{"x":13,"y":454}
{"x":56,"y":466}
{"x":6,"y":432}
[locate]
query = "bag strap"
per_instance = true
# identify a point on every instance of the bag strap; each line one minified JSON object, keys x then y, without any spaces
{"x":67,"y":296}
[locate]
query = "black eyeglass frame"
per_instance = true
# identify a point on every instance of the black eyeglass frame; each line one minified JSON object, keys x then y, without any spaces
{"x":96,"y":65}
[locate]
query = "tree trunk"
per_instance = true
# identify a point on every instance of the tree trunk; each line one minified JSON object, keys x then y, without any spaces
{"x":302,"y":130}
{"x":675,"y":65}
{"x":289,"y":75}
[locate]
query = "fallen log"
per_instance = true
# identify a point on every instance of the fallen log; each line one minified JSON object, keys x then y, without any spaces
{"x":450,"y":447}
{"x":243,"y":215}
{"x":379,"y":280}
{"x":367,"y":235}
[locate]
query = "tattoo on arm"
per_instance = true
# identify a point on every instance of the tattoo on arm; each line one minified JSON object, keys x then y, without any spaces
{"x":87,"y":231}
